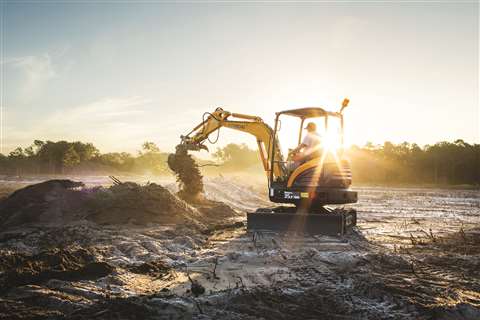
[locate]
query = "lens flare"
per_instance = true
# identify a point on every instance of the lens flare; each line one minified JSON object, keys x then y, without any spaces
{"x":331,"y":142}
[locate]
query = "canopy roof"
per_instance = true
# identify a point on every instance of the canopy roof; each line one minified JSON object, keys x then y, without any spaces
{"x":309,"y":113}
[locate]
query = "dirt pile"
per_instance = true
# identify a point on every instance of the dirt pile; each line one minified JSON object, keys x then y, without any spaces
{"x":57,"y":202}
{"x":188,"y":174}
{"x":5,"y":192}
{"x":133,"y":203}
{"x":61,"y":264}
{"x":50,"y":201}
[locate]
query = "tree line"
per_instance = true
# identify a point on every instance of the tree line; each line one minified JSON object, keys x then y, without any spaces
{"x":63,"y":157}
{"x":453,"y":163}
{"x":442,"y":163}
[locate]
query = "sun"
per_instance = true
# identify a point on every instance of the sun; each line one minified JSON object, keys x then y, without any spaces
{"x":331,"y":141}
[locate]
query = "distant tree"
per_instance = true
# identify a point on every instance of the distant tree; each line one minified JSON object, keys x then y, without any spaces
{"x":119,"y":160}
{"x":237,"y":156}
{"x":150,"y":159}
{"x":70,"y":158}
{"x":85,"y":151}
{"x":17,"y":157}
{"x":17,"y":154}
{"x":150,"y":147}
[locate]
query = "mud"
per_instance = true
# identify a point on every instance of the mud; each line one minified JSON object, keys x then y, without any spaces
{"x":276,"y":303}
{"x":407,"y":260}
{"x":188,"y":174}
{"x":18,"y":310}
{"x":61,"y":264}
{"x":156,"y":268}
{"x":140,"y":307}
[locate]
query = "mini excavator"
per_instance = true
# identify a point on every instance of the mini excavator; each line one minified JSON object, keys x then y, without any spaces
{"x":306,"y":189}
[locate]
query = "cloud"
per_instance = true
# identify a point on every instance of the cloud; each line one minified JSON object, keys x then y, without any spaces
{"x":107,"y":121}
{"x":105,"y":110}
{"x":33,"y":72}
{"x":110,"y":123}
{"x":28,"y":76}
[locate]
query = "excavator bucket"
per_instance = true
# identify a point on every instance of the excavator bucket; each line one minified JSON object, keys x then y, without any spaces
{"x":330,"y":222}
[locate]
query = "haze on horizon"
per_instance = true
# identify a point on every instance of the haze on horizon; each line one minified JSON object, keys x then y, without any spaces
{"x":120,"y":74}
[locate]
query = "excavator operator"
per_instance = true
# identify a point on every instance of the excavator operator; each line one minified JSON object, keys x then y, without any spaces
{"x":310,"y":146}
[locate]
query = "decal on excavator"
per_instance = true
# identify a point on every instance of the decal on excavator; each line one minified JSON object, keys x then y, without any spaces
{"x":291,"y":195}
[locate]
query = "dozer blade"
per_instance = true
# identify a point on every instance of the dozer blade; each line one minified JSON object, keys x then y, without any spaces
{"x":285,"y":219}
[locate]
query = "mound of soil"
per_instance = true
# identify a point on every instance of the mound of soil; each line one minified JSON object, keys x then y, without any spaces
{"x":188,"y":174}
{"x":65,"y":264}
{"x":214,"y":212}
{"x":132,"y":203}
{"x":49,"y":201}
{"x":57,"y":202}
{"x":5,"y":192}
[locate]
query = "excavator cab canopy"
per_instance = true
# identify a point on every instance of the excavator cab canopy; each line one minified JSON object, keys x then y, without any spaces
{"x":312,"y":112}
{"x":333,"y":139}
{"x":307,"y":113}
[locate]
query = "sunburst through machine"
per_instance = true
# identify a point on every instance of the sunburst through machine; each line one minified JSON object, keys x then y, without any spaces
{"x":307,"y":186}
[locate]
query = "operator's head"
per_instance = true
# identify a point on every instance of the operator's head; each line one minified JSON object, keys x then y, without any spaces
{"x":311,"y":127}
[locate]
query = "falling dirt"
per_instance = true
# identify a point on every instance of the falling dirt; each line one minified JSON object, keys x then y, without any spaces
{"x":188,"y":174}
{"x":191,"y":189}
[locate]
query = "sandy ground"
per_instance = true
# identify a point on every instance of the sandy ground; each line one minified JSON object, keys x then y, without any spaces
{"x":414,"y":255}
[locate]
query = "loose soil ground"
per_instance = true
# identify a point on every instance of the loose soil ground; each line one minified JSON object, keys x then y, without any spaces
{"x":140,"y":252}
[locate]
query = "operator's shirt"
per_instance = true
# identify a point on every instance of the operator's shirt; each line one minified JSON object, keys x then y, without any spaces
{"x":312,"y":143}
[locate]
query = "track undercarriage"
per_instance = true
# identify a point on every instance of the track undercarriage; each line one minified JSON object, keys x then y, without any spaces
{"x":322,"y":220}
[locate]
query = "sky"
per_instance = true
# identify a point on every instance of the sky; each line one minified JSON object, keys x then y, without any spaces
{"x":117,"y":74}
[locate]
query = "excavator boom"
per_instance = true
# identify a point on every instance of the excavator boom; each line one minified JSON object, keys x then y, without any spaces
{"x":241,"y":122}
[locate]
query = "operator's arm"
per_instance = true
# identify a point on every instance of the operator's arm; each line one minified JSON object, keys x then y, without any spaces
{"x":305,"y":143}
{"x":299,"y":148}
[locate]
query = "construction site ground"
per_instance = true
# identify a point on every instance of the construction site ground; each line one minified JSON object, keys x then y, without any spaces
{"x":414,"y":255}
